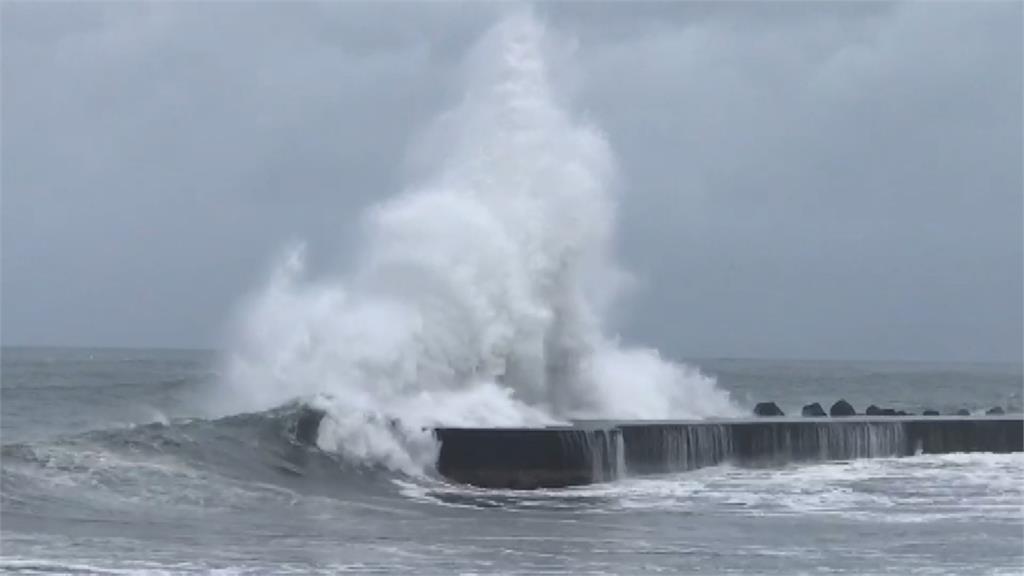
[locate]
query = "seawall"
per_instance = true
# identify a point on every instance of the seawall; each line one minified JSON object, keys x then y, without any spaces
{"x":527,"y":458}
{"x":588,"y":452}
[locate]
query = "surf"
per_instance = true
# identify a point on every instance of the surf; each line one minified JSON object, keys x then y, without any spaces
{"x":481,"y":294}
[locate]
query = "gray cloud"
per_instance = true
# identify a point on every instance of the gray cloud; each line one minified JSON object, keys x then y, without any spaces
{"x":802,"y":180}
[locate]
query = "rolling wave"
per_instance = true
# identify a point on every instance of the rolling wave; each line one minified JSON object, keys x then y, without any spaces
{"x":226,"y":462}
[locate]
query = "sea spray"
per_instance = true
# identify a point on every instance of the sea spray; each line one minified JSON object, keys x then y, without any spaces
{"x":479,"y":294}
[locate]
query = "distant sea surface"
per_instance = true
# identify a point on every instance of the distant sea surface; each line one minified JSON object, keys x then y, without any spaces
{"x":111,"y":463}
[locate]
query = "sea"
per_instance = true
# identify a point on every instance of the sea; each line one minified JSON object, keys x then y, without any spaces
{"x":111,"y":464}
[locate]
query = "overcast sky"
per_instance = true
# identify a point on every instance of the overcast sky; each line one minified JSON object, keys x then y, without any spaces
{"x":798,"y":180}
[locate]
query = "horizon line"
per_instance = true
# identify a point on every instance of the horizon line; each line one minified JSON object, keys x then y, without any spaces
{"x":687,"y":359}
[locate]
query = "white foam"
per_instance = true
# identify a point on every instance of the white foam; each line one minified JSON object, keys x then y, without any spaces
{"x":953,"y":487}
{"x":480,"y":293}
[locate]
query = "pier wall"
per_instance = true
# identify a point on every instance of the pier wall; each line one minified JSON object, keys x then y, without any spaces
{"x":527,"y":458}
{"x":594,"y":452}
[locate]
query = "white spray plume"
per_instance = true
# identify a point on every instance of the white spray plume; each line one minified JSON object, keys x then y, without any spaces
{"x":479,"y":295}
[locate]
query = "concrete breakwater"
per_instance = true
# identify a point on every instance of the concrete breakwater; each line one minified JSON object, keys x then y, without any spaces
{"x":526,"y":458}
{"x":588,"y":452}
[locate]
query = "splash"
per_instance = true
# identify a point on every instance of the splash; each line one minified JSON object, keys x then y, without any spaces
{"x":479,"y":295}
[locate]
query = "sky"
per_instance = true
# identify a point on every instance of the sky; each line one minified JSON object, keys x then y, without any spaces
{"x":798,"y":180}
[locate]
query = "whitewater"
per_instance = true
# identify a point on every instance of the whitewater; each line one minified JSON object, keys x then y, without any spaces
{"x":480,"y":295}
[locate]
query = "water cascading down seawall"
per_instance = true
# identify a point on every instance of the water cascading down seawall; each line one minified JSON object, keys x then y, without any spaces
{"x":526,"y":458}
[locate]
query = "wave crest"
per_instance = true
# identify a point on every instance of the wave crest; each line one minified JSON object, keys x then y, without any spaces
{"x":480,"y":294}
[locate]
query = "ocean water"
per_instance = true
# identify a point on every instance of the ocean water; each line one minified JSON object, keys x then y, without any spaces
{"x":111,"y":463}
{"x":479,"y":296}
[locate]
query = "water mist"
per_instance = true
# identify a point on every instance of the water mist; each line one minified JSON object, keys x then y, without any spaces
{"x":479,"y":294}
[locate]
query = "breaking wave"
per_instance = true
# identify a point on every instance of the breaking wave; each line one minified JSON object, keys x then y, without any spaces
{"x":480,"y":294}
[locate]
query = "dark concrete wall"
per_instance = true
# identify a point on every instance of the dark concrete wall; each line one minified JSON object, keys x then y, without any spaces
{"x":529,"y":457}
{"x":556,"y":457}
{"x":669,"y":447}
{"x":990,"y":434}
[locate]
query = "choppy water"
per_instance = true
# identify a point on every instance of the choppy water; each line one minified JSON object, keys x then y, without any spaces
{"x":109,"y":466}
